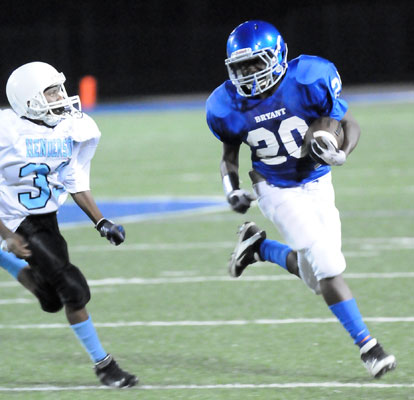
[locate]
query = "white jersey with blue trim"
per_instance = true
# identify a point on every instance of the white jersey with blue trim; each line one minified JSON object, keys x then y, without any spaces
{"x":275,"y":127}
{"x":39,"y":164}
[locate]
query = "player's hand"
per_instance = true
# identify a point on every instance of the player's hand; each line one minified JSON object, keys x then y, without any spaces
{"x":330,"y":155}
{"x":17,"y":245}
{"x":240,"y":200}
{"x":114,"y":233}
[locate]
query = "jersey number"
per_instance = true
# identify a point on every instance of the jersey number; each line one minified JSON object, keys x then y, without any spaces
{"x":267,"y":147}
{"x":41,"y":183}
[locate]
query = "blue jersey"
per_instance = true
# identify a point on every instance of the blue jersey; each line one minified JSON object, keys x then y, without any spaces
{"x":274,"y":127}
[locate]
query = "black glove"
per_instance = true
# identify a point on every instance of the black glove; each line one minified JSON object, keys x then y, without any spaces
{"x":240,"y":200}
{"x":114,"y":233}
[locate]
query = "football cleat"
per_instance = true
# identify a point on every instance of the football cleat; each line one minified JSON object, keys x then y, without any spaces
{"x":110,"y":374}
{"x":247,"y":248}
{"x":376,"y":360}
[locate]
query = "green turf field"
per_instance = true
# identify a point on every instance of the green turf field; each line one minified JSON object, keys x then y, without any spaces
{"x":187,"y":330}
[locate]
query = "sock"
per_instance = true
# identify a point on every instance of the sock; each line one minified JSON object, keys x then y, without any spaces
{"x":12,"y":264}
{"x":275,"y":252}
{"x":351,"y":319}
{"x":86,"y":333}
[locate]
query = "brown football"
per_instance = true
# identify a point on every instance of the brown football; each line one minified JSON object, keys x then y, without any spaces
{"x":323,"y":126}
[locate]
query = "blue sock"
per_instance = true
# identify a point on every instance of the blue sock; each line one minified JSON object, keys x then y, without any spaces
{"x":12,"y":264}
{"x":86,"y":333}
{"x":275,"y":252}
{"x":351,"y":319}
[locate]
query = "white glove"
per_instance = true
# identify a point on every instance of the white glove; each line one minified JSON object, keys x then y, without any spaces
{"x":330,"y":155}
{"x":240,"y":200}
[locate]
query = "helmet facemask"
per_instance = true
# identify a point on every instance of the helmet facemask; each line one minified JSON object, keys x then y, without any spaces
{"x":274,"y":66}
{"x":51,"y":113}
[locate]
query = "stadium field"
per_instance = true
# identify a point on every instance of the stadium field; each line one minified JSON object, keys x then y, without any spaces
{"x":164,"y":306}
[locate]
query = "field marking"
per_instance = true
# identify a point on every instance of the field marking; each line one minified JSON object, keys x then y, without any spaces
{"x":127,"y":219}
{"x":365,"y":244}
{"x":237,"y":322}
{"x":292,"y":385}
{"x":119,"y":281}
{"x":16,"y":301}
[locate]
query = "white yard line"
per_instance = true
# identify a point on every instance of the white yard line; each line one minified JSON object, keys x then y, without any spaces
{"x":292,"y":385}
{"x":16,"y":301}
{"x":238,"y":322}
{"x":119,"y":281}
{"x":359,"y":246}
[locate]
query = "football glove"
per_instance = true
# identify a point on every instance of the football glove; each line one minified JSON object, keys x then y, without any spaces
{"x":240,"y":199}
{"x":329,"y":155}
{"x":114,"y":233}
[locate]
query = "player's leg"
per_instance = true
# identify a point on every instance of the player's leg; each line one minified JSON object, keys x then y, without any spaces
{"x":309,"y":221}
{"x":328,"y":263}
{"x":341,"y":302}
{"x":105,"y":366}
{"x":280,"y":254}
{"x":20,"y":270}
{"x":12,"y":264}
{"x":253,"y":246}
{"x":50,"y":260}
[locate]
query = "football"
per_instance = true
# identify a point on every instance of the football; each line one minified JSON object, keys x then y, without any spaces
{"x":324,"y":126}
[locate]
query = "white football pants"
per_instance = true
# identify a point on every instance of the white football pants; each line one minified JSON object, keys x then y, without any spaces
{"x":309,"y":222}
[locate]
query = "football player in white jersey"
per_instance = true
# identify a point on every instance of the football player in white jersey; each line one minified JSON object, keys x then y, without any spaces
{"x":46,"y":147}
{"x":268,"y":104}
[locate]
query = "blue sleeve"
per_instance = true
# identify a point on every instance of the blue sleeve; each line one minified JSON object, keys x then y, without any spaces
{"x":323,"y":86}
{"x":223,"y":123}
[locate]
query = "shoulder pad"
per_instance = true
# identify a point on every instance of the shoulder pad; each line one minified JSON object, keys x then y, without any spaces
{"x":82,"y":129}
{"x":310,"y":69}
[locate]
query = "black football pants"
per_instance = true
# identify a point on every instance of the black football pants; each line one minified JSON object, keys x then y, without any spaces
{"x":58,"y":281}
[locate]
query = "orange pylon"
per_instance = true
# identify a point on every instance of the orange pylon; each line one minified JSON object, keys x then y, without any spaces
{"x":88,"y":92}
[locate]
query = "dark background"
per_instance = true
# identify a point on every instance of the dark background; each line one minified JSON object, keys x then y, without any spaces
{"x":144,"y":48}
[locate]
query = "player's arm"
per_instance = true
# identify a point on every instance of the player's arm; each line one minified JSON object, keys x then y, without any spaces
{"x":328,"y":152}
{"x":114,"y":233}
{"x":239,"y":199}
{"x":13,"y":242}
{"x":352,"y":132}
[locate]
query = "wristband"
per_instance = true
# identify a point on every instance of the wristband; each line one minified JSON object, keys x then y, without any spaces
{"x":98,"y":223}
{"x":230,"y":183}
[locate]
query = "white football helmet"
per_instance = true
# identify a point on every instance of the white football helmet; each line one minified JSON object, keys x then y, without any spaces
{"x":25,"y":92}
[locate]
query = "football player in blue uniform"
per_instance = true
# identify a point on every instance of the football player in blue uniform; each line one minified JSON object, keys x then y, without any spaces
{"x":268,"y":104}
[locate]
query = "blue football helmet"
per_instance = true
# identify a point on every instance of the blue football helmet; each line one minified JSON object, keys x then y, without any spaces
{"x":258,"y":44}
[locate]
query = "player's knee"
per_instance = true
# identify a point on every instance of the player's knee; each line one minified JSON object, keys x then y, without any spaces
{"x":50,"y":306}
{"x":48,"y":298}
{"x":73,"y":288}
{"x":322,"y":260}
{"x":327,"y":260}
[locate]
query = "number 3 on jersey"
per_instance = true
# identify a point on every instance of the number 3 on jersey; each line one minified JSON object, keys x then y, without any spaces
{"x":266,"y":146}
{"x":40,"y":182}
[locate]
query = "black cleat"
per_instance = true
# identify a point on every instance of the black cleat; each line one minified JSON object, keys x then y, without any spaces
{"x":376,"y":360}
{"x":109,"y":373}
{"x":247,"y":248}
